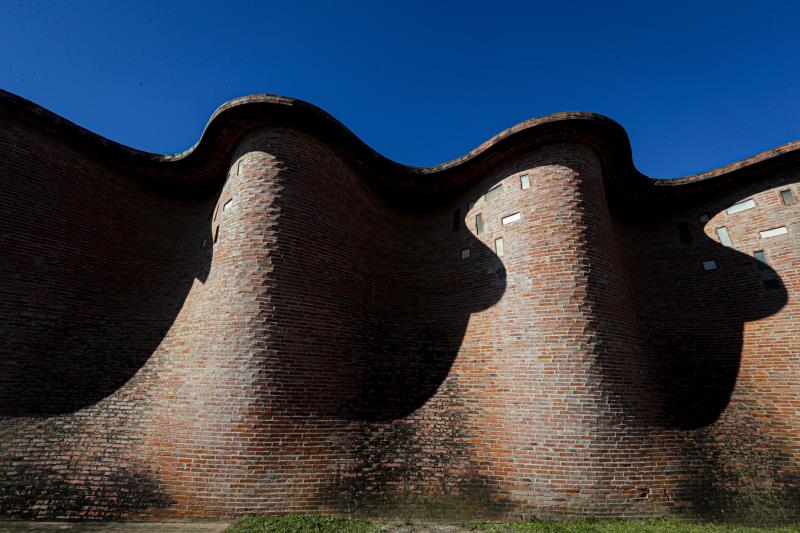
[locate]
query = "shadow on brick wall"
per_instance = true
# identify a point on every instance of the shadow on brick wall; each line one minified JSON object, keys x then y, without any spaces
{"x":41,"y":492}
{"x":88,"y":295}
{"x":371,"y":305}
{"x":678,"y":369}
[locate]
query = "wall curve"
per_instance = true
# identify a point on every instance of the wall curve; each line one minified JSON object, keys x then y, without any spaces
{"x":281,"y":320}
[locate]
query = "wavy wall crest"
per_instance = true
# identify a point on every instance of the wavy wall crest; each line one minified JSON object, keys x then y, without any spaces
{"x":280,"y":319}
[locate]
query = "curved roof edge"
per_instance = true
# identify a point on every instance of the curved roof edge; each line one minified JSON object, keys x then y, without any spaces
{"x":234,"y":118}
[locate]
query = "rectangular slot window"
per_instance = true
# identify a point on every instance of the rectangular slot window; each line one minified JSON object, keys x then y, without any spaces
{"x":703,"y":218}
{"x":524,"y":181}
{"x":494,"y":192}
{"x":465,"y":253}
{"x":511,"y":218}
{"x":239,"y":167}
{"x":684,"y":234}
{"x":774,"y":232}
{"x":216,"y":235}
{"x":761,"y":259}
{"x":478,"y":223}
{"x":456,"y":219}
{"x":724,"y":238}
{"x":709,"y":265}
{"x":741,"y":206}
{"x":499,"y":248}
{"x":788,"y":198}
{"x":227,"y":205}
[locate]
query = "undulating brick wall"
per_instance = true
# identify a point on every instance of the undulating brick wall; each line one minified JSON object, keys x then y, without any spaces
{"x":281,"y":320}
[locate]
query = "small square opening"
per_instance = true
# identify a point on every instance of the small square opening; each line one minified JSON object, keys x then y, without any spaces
{"x":788,"y":198}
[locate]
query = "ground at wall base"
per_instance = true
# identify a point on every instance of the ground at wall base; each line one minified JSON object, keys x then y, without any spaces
{"x":327,"y":524}
{"x":319,"y":524}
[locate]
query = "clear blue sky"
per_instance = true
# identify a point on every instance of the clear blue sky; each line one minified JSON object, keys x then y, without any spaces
{"x":421,"y":82}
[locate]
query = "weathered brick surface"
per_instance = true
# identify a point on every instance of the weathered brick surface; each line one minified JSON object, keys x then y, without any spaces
{"x":280,"y":320}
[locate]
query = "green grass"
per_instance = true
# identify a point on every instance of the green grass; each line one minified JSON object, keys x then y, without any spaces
{"x":302,"y":524}
{"x":627,"y":526}
{"x":327,"y":524}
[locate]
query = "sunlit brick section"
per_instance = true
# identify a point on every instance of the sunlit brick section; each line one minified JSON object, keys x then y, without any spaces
{"x":281,"y":320}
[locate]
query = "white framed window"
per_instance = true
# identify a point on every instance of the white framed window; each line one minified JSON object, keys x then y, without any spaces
{"x":724,"y":238}
{"x":741,"y":206}
{"x":774,"y":232}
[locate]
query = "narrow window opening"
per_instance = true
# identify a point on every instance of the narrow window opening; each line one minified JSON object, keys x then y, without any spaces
{"x":456,"y":219}
{"x":741,"y":206}
{"x":239,"y":167}
{"x":684,"y":234}
{"x":227,"y":205}
{"x":479,"y":223}
{"x":524,"y":181}
{"x":774,"y":232}
{"x":499,"y":247}
{"x":724,"y":237}
{"x":465,"y":253}
{"x":511,"y":218}
{"x":216,"y":235}
{"x":788,"y":198}
{"x":761,"y":259}
{"x":709,"y":265}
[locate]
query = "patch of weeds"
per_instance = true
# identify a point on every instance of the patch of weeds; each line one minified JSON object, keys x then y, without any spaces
{"x":626,"y":526}
{"x":302,"y":524}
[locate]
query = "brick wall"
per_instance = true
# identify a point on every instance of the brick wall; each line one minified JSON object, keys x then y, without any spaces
{"x":282,"y":321}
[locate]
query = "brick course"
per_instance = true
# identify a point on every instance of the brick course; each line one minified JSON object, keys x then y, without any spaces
{"x":281,"y":320}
